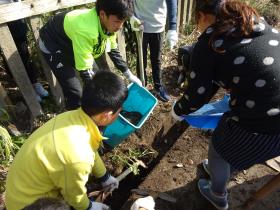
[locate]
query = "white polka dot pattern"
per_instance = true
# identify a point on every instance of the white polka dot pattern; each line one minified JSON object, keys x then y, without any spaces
{"x":250,"y":104}
{"x":232,"y":29}
{"x":180,"y":105}
{"x":268,"y":61}
{"x":209,"y":30}
{"x":253,"y":62}
{"x":192,"y":75}
{"x":218,"y":43}
{"x":259,"y":27}
{"x":260,"y":83}
{"x":246,"y":41}
{"x":236,"y":80}
{"x":201,"y":90}
{"x":273,"y":112}
{"x":235,"y":118}
{"x":233,"y":102}
{"x":273,"y":42}
{"x":275,"y":31}
{"x":239,"y":60}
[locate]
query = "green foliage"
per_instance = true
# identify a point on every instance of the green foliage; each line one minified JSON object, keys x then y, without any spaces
{"x":129,"y":158}
{"x":4,"y":116}
{"x":189,"y":28}
{"x":7,"y":147}
{"x":267,"y":8}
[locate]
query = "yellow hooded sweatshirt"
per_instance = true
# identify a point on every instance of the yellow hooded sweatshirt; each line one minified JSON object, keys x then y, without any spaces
{"x":56,"y":161}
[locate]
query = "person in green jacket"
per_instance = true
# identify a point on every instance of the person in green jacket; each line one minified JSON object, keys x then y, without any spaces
{"x":57,"y":159}
{"x":70,"y":41}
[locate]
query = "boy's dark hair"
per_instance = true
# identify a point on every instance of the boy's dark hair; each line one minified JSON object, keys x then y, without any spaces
{"x":106,"y":91}
{"x":123,"y":9}
{"x":48,"y":204}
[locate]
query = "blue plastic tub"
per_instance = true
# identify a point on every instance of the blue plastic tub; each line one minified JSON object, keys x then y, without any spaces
{"x":139,"y":99}
{"x":208,"y":116}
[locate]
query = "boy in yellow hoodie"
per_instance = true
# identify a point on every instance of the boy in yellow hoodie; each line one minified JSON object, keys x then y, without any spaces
{"x":58,"y":157}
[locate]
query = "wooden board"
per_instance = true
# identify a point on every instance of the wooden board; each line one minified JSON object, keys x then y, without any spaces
{"x":184,"y":14}
{"x":190,"y":7}
{"x":56,"y":90}
{"x":179,"y":10}
{"x":28,"y":8}
{"x":18,"y":70}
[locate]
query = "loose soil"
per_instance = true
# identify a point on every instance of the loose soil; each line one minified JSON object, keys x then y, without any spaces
{"x":177,"y":143}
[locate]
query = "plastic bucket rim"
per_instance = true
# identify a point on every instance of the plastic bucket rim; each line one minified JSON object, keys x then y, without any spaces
{"x":147,"y":115}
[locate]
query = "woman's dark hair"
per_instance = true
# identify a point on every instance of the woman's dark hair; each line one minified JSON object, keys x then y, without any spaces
{"x":123,"y":9}
{"x":233,"y":18}
{"x":106,"y":91}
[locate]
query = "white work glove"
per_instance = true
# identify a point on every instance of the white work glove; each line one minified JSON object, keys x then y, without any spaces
{"x":131,"y":77}
{"x":171,"y":39}
{"x":136,"y":24}
{"x":97,"y":206}
{"x":111,"y":182}
{"x":147,"y":203}
{"x":174,"y":115}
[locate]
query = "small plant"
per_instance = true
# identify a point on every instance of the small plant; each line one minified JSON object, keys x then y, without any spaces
{"x":4,"y":116}
{"x":7,"y":147}
{"x":130,"y":158}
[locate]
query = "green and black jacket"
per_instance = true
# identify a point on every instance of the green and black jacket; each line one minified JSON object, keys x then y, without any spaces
{"x":79,"y":36}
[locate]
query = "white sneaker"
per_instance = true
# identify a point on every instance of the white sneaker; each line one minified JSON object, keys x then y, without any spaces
{"x":40,"y":90}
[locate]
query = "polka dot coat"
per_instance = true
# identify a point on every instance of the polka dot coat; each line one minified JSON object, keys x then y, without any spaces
{"x":248,"y":67}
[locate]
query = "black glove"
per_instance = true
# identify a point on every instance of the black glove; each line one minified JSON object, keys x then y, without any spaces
{"x":86,"y":75}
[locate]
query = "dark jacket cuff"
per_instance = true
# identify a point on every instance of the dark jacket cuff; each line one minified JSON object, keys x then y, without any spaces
{"x":105,"y":177}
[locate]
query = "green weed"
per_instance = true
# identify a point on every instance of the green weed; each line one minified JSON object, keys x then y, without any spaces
{"x":7,"y":147}
{"x":130,"y":158}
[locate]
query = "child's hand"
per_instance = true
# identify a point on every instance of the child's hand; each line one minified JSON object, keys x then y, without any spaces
{"x":147,"y":203}
{"x":136,"y":24}
{"x":112,"y":183}
{"x":132,"y":78}
{"x":97,"y":206}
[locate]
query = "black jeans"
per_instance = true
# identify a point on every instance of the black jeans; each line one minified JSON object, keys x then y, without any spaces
{"x":155,"y":43}
{"x":67,"y":78}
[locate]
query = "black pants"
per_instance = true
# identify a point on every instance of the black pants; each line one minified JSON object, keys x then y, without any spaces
{"x":155,"y":42}
{"x":67,"y":78}
{"x":19,"y":30}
